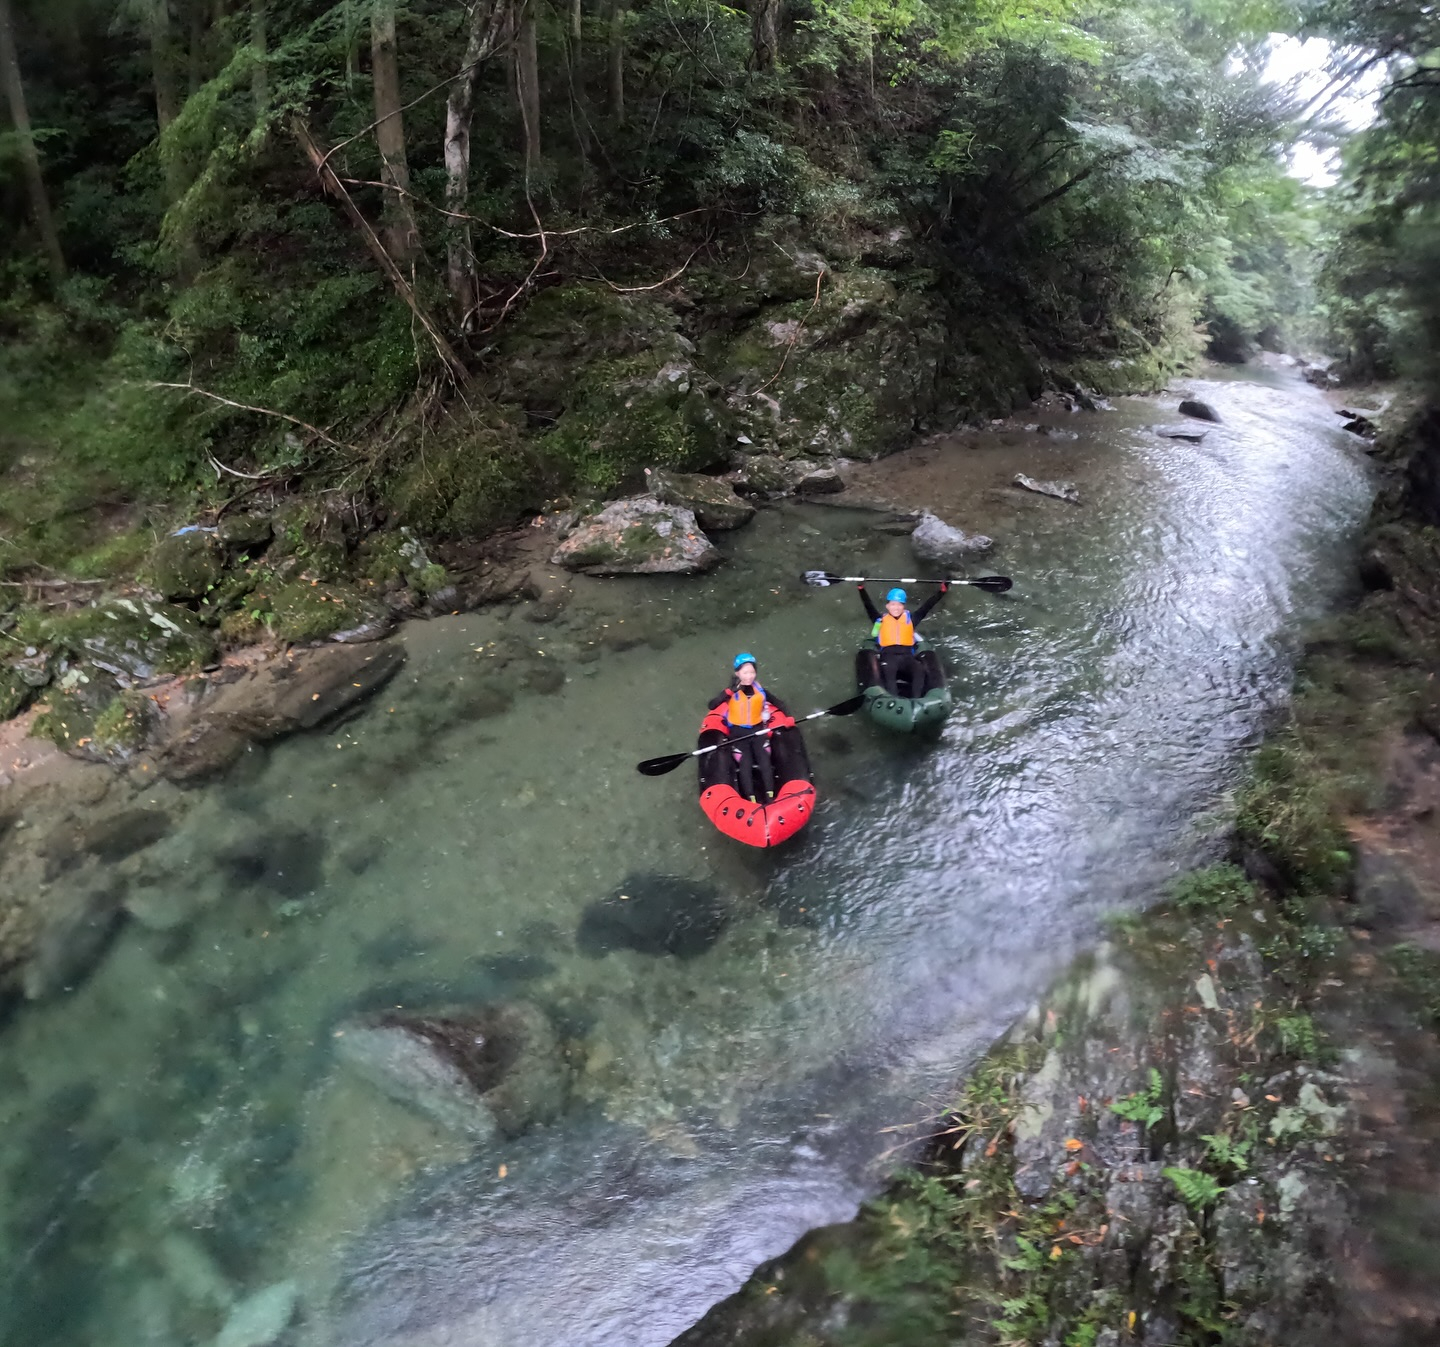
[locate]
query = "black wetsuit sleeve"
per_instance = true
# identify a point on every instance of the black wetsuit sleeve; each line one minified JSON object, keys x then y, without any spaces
{"x":923,"y":611}
{"x":871,"y":611}
{"x":719,"y":701}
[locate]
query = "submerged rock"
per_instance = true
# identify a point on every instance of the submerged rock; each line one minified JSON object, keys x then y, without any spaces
{"x":714,"y":502}
{"x":638,"y":536}
{"x":1180,"y":433}
{"x":1067,"y":491}
{"x":1201,"y":411}
{"x":260,"y":1319}
{"x":655,"y":914}
{"x":481,"y":1072}
{"x":936,"y":541}
{"x":270,"y":700}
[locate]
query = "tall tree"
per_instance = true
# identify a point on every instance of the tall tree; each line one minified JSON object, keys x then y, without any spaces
{"x":163,"y":65}
{"x":490,"y":21}
{"x":617,"y":62}
{"x":764,"y":32}
{"x":527,"y":87}
{"x":401,"y":236}
{"x":260,"y":78}
{"x":29,"y":155}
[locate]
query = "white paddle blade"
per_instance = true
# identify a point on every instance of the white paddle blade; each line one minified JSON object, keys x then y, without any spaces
{"x":817,"y":578}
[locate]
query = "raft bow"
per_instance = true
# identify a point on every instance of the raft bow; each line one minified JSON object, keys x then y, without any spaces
{"x":765,"y":824}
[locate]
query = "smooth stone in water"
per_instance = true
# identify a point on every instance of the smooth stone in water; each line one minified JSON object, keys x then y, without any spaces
{"x":1060,"y":490}
{"x":936,"y":541}
{"x":260,"y":1319}
{"x":1180,"y":433}
{"x":1202,"y":411}
{"x":406,"y":1069}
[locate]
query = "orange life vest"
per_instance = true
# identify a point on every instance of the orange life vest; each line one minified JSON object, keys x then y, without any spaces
{"x":746,"y":708}
{"x":894,"y":630}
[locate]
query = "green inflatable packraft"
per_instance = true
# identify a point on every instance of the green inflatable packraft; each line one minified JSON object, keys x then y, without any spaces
{"x":926,"y":710}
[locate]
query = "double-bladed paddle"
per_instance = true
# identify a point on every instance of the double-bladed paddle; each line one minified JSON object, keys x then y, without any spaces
{"x":659,"y":766}
{"x":996,"y":584}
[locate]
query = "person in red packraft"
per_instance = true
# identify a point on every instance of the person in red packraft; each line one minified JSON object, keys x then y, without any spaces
{"x":748,"y":708}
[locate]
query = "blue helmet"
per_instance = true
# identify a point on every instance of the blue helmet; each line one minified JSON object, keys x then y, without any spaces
{"x":745,"y":658}
{"x":895,"y":596}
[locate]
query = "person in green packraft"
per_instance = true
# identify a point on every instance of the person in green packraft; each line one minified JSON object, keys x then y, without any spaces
{"x":893,"y":632}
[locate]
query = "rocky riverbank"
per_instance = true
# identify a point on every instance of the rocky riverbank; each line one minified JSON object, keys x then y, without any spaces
{"x":1221,"y":1127}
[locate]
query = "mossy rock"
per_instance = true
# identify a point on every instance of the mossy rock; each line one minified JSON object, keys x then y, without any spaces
{"x":850,"y":374}
{"x":469,"y":482}
{"x":245,"y":532}
{"x":312,"y":536}
{"x":127,"y":637}
{"x":16,"y":693}
{"x":637,"y":536}
{"x":304,"y":611}
{"x":187,"y":565}
{"x":73,"y":704}
{"x":713,"y":502}
{"x":399,"y":555}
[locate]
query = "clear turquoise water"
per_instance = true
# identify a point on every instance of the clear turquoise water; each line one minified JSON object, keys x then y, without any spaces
{"x":179,"y":1133}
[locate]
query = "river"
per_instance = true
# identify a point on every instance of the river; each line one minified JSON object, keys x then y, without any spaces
{"x":178,"y":1133}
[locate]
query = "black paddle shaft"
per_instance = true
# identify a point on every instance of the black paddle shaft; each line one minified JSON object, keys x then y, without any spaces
{"x":660,"y":766}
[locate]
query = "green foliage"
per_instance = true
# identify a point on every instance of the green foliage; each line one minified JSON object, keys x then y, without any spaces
{"x":1227,"y":1153}
{"x":1198,"y":1189}
{"x":1217,"y":888}
{"x":1144,"y":1106}
{"x":1298,"y":1036}
{"x":1418,"y":972}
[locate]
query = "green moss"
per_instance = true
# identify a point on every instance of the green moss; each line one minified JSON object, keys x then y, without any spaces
{"x":120,"y":727}
{"x":138,"y":635}
{"x":304,"y":611}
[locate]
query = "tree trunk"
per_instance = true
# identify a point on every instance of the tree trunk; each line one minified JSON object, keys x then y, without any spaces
{"x":617,"y":62}
{"x":527,"y":88}
{"x":764,"y":34}
{"x":334,"y":187}
{"x":488,"y":25}
{"x":401,"y":236}
{"x":575,"y":27}
{"x":162,"y":61}
{"x":29,"y":156}
{"x":196,"y":53}
{"x":260,"y":78}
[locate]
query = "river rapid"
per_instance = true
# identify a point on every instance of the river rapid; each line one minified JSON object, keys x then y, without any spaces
{"x":179,"y":1133}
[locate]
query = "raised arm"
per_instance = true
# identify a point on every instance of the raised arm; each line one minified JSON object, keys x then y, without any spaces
{"x":871,"y":611}
{"x":923,"y":611}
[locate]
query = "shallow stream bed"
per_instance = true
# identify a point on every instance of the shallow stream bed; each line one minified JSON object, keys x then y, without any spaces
{"x":181,"y":1132}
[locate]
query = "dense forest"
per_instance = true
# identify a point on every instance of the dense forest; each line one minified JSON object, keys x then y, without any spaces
{"x":440,"y":256}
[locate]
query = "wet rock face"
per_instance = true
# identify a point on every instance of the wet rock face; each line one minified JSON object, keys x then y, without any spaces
{"x":714,"y":502}
{"x":638,"y":536}
{"x":655,"y":915}
{"x":493,"y":1069}
{"x":937,"y":542}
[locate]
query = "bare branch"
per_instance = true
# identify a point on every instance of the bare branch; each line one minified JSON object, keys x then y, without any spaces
{"x":262,"y":411}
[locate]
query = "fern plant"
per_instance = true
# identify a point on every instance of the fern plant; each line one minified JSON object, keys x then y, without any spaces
{"x":1198,"y":1189}
{"x":1144,"y":1106}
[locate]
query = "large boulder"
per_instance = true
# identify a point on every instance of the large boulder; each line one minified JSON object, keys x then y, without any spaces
{"x":714,"y":502}
{"x":936,"y":541}
{"x":491,"y":1070}
{"x":1201,"y":411}
{"x":637,"y":536}
{"x":311,"y":611}
{"x":769,"y":477}
{"x":129,"y":638}
{"x":188,"y":564}
{"x":267,"y":701}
